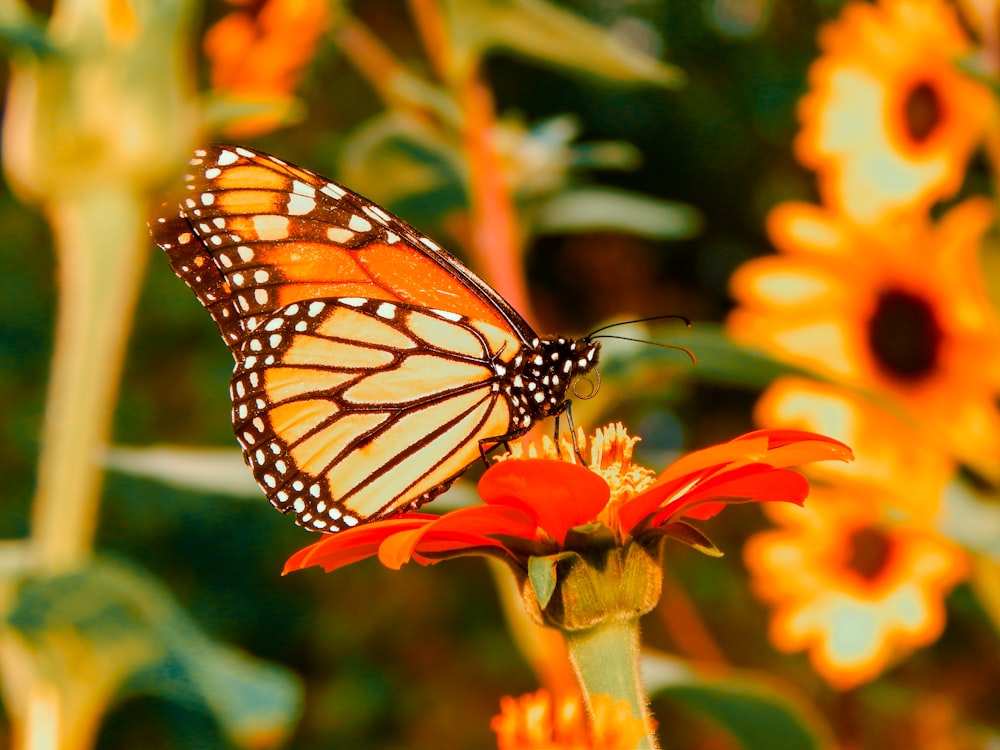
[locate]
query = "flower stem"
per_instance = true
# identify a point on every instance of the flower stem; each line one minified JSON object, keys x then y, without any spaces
{"x":101,"y":256}
{"x":606,"y":660}
{"x":496,"y":233}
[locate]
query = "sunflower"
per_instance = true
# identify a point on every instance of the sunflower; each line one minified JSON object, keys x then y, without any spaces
{"x":890,"y":119}
{"x":853,"y":589}
{"x":897,"y":309}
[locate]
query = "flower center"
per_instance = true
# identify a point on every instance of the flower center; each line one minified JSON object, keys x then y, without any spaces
{"x":922,"y":111}
{"x":869,"y":551}
{"x":904,"y":335}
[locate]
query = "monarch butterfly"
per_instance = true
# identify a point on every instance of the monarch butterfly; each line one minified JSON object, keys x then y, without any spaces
{"x":372,"y":367}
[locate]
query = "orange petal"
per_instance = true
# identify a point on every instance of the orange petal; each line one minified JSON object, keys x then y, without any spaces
{"x":797,"y":447}
{"x":459,"y":530}
{"x":334,"y":551}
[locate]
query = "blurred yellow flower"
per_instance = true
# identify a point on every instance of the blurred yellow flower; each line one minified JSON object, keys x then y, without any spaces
{"x":897,"y":308}
{"x":890,"y":120}
{"x":258,"y":54}
{"x":533,"y":722}
{"x":890,"y":452}
{"x":856,"y":592}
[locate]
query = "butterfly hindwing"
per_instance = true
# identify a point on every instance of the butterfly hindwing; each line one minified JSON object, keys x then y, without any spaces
{"x":354,"y":408}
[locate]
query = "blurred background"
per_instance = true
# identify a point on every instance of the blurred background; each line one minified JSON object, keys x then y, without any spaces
{"x":644,"y":152}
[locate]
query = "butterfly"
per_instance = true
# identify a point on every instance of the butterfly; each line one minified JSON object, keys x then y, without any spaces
{"x":372,"y":367}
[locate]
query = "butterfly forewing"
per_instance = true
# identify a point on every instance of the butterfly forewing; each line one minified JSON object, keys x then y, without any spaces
{"x":372,"y":367}
{"x":280,"y":234}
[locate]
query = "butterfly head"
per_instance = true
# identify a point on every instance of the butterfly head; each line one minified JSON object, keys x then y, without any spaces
{"x":548,"y":369}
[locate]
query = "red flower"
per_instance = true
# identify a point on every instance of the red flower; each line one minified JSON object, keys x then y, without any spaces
{"x":532,"y":504}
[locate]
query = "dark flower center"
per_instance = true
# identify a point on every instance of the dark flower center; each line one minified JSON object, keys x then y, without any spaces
{"x":869,"y":550}
{"x":904,"y":336}
{"x":923,"y":111}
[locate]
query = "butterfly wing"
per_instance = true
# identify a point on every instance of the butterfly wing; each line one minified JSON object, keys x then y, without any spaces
{"x":370,"y":363}
{"x":350,"y":409}
{"x":263,"y":234}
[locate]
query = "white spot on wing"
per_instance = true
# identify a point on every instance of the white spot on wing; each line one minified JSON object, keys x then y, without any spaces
{"x":340,"y":235}
{"x":299,"y":205}
{"x":334,"y":191}
{"x":447,"y":315}
{"x":359,"y":224}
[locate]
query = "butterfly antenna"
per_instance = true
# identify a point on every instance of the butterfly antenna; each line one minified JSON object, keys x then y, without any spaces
{"x":592,"y":335}
{"x":691,"y":355}
{"x":596,"y":334}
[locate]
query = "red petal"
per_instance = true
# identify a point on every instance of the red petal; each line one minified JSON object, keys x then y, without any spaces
{"x":745,"y":448}
{"x":557,"y":494}
{"x":458,"y":530}
{"x":746,"y":468}
{"x":797,"y":447}
{"x":342,"y":548}
{"x":763,"y":485}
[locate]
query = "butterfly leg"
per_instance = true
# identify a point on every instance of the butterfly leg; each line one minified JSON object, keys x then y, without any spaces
{"x":568,"y":408}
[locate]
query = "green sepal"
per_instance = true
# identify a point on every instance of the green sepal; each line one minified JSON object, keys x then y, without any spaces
{"x":575,"y":591}
{"x":680,"y":531}
{"x":543,"y":576}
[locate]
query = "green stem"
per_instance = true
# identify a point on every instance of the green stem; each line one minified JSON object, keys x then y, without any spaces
{"x":606,"y":660}
{"x":99,"y":244}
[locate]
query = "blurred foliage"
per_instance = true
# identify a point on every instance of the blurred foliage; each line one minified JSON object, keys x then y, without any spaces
{"x":392,"y":660}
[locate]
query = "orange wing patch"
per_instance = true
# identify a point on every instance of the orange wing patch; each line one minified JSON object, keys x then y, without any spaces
{"x":279,"y":234}
{"x":423,"y":374}
{"x":369,"y":406}
{"x":401,"y":464}
{"x":418,"y":280}
{"x":288,"y":383}
{"x":317,"y":453}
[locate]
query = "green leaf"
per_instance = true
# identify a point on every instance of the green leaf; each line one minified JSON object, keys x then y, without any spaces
{"x":405,"y":165}
{"x":213,"y":470}
{"x":755,"y":712}
{"x":222,"y":109}
{"x":720,"y":359}
{"x":121,"y":619}
{"x":222,"y":471}
{"x":546,"y":33}
{"x":596,"y":209}
{"x":21,"y":30}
